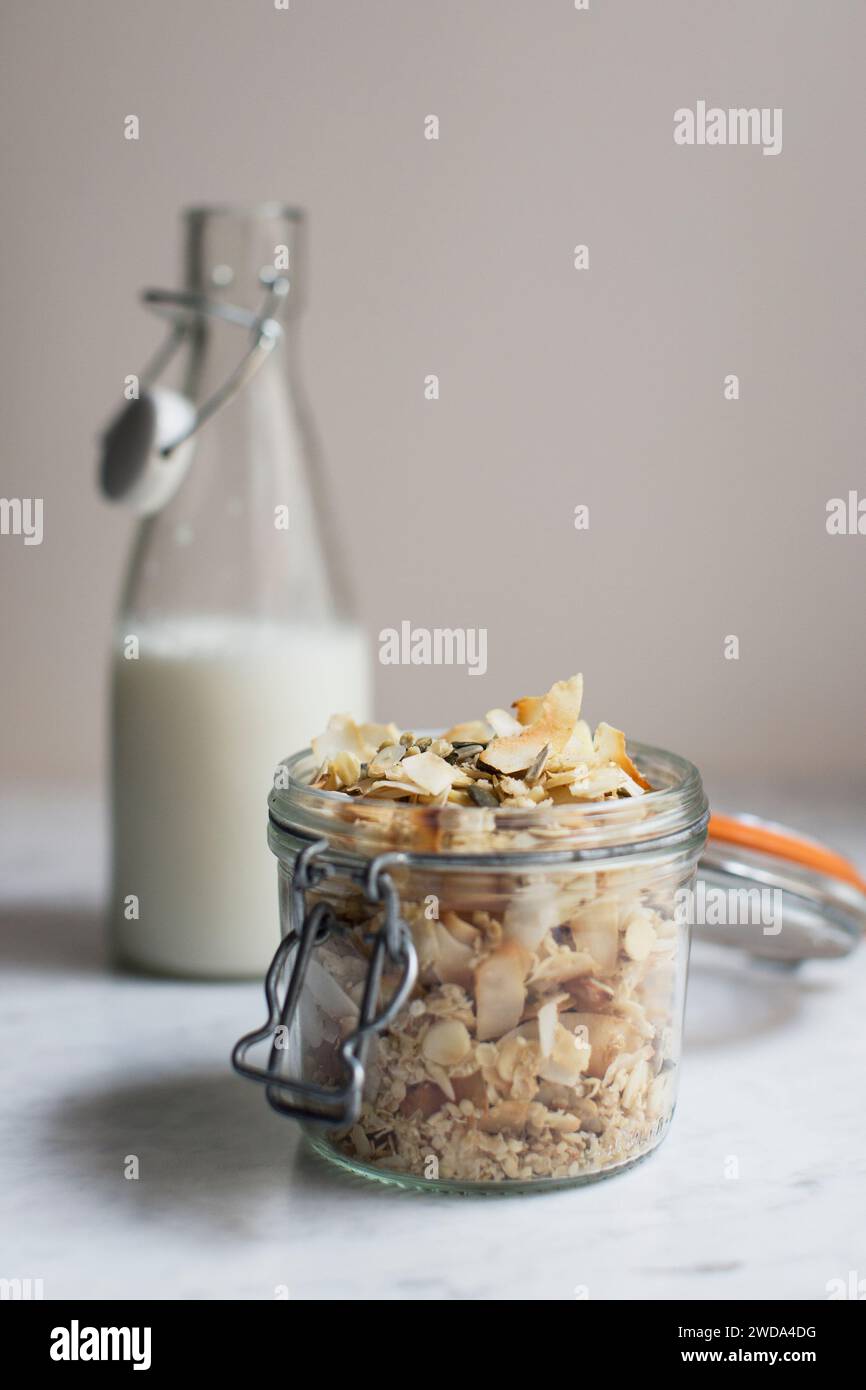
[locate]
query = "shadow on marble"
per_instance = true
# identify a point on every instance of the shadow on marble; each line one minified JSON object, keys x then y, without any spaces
{"x":209,"y":1148}
{"x":201,"y":1138}
{"x":742,"y":999}
{"x":53,"y":940}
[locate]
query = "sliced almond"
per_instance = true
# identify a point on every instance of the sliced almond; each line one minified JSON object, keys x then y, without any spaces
{"x":636,"y":1084}
{"x":385,"y":760}
{"x":660,"y":1094}
{"x":447,"y":1042}
{"x":639,"y":937}
{"x":510,"y":1049}
{"x":509,"y":1116}
{"x":586,"y":1111}
{"x":441,"y":1078}
{"x":428,"y":772}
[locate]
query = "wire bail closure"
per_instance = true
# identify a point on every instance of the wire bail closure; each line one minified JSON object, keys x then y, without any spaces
{"x":263,"y":327}
{"x":333,"y":1107}
{"x":148,"y":446}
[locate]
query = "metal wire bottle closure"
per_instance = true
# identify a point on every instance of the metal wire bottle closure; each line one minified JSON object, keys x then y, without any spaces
{"x":183,"y":306}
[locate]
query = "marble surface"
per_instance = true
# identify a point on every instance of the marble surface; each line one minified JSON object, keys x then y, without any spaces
{"x":758,"y":1191}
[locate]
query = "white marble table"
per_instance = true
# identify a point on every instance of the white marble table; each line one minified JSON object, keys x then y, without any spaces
{"x":229,"y":1204}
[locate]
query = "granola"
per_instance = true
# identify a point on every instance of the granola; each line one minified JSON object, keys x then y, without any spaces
{"x":541,"y":1039}
{"x":545,"y":755}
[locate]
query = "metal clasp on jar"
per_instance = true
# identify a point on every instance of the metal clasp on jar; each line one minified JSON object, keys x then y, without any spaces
{"x":334,"y":1107}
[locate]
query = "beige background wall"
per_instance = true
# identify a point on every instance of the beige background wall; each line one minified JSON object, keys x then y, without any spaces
{"x":558,"y":387}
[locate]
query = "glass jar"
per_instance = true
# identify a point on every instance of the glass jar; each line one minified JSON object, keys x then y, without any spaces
{"x":235,"y":628}
{"x":480,"y":1000}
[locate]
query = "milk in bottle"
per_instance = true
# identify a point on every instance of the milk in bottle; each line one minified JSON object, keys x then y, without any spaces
{"x":234,"y":642}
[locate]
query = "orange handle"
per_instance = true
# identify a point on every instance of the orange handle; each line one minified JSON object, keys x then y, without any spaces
{"x":734,"y":832}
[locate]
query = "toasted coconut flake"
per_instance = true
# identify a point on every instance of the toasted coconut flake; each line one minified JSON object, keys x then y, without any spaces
{"x":553,"y":723}
{"x":472,"y":1088}
{"x":374,"y":735}
{"x":342,"y":735}
{"x":453,"y":960}
{"x":527,"y":707}
{"x":598,"y":783}
{"x":461,"y":930}
{"x":580,"y":745}
{"x":590,"y":994}
{"x":595,"y":930}
{"x":610,"y":744}
{"x":511,"y":755}
{"x":500,"y":991}
{"x":475,"y":731}
{"x":347,"y":768}
{"x":392,"y":789}
{"x":503,"y":724}
{"x":562,"y":968}
{"x":458,"y":777}
{"x":440,"y":1076}
{"x":569,"y":1057}
{"x":425,"y":940}
{"x":424,"y":1100}
{"x":541,"y":1033}
{"x":532,"y":911}
{"x":548,"y":1017}
{"x":608,"y":1035}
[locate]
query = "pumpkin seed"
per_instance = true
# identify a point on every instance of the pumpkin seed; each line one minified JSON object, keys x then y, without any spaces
{"x":483,"y":796}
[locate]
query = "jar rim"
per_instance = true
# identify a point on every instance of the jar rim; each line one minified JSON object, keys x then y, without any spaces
{"x":674,"y":811}
{"x":245,"y":212}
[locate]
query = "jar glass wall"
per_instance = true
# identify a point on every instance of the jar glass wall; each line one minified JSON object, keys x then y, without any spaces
{"x":541,"y":1041}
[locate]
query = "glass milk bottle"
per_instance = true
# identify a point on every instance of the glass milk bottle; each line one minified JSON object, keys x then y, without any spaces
{"x":234,"y":642}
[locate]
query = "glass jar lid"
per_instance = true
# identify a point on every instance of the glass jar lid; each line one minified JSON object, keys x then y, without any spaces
{"x":776,"y":893}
